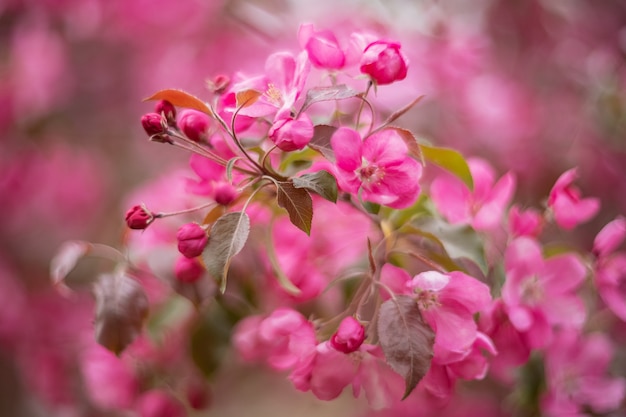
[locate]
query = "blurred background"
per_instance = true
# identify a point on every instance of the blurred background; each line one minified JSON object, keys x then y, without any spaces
{"x":534,"y":86}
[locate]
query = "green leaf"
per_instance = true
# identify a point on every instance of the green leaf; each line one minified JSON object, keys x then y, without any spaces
{"x":169,"y":315}
{"x":320,"y":182}
{"x":321,"y":141}
{"x":181,"y":98}
{"x":450,"y":160}
{"x":406,"y":340}
{"x":335,"y":92}
{"x":210,"y":337}
{"x":228,"y":236}
{"x":121,"y":309}
{"x":298,"y":204}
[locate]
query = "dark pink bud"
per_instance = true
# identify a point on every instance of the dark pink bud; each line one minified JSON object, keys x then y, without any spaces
{"x":158,"y":403}
{"x":219,"y":84}
{"x":153,"y":124}
{"x":138,"y":217}
{"x":192,"y":239}
{"x":384,"y":62}
{"x":194,"y":124}
{"x":349,"y":336}
{"x":198,"y":395}
{"x":225,"y":193}
{"x":188,"y":269}
{"x":166,"y":109}
{"x":291,"y":134}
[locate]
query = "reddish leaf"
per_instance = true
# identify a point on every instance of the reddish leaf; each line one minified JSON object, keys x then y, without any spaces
{"x":181,"y":98}
{"x":321,"y":141}
{"x":247,"y":97}
{"x":320,"y":182}
{"x":335,"y":92}
{"x":406,"y":340}
{"x":121,"y":308}
{"x":228,"y":236}
{"x":298,"y":204}
{"x":410,"y":141}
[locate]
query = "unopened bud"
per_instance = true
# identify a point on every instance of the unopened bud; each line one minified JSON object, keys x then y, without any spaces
{"x":194,"y":124}
{"x":159,"y":403}
{"x":218,"y":84}
{"x":384,"y":62}
{"x":225,"y":193}
{"x":198,"y":395}
{"x":292,"y":134}
{"x":167,"y":109}
{"x":139,"y":217}
{"x":349,"y":336}
{"x":153,"y":124}
{"x":192,"y":239}
{"x":188,"y":270}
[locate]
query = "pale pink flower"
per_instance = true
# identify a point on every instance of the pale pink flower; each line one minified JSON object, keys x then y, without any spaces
{"x":481,"y":208}
{"x":610,"y":266}
{"x":378,"y":167}
{"x":576,"y":375}
{"x":539,"y":293}
{"x":447,"y":303}
{"x":384,"y":62}
{"x":321,"y":46}
{"x":565,"y":200}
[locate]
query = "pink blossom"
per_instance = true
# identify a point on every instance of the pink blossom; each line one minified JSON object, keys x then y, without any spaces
{"x":575,"y":369}
{"x":188,"y":269}
{"x":349,"y":336}
{"x":384,"y":62}
{"x":527,"y":222}
{"x":377,"y":167}
{"x":481,"y":208}
{"x":539,"y":293}
{"x":566,"y":203}
{"x":291,"y":134}
{"x":447,"y":303}
{"x":159,"y":403}
{"x":610,"y":266}
{"x":321,"y":46}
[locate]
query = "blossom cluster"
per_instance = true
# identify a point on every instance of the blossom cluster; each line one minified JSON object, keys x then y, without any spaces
{"x":309,"y":237}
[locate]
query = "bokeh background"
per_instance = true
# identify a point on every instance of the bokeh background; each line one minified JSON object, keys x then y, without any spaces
{"x":534,"y":86}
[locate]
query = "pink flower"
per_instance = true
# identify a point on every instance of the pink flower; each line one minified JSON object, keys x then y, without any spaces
{"x":192,"y":239}
{"x":566,"y":203}
{"x":539,"y":293}
{"x":575,"y":369}
{"x":610,"y":266}
{"x":447,"y":303}
{"x":291,"y":134}
{"x":159,"y":403}
{"x":188,"y":269}
{"x":481,"y":208}
{"x":349,"y":336}
{"x":322,"y":47}
{"x":525,"y":222}
{"x":384,"y":62}
{"x":378,"y":167}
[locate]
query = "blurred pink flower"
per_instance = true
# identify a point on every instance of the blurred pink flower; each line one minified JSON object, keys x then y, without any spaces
{"x":321,"y":46}
{"x":566,"y":203}
{"x":610,"y":266}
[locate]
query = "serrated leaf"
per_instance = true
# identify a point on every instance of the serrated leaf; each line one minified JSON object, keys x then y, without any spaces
{"x":247,"y":97}
{"x":335,"y":92}
{"x":298,"y":204}
{"x":181,"y":98}
{"x":410,"y":141}
{"x":228,"y":236}
{"x":450,"y":160}
{"x":321,"y":141}
{"x":406,"y":340}
{"x":320,"y":182}
{"x":121,"y":309}
{"x":65,"y":261}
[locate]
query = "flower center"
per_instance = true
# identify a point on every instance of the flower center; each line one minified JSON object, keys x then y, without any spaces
{"x":532,"y":291}
{"x":426,"y":299}
{"x":371,"y":173}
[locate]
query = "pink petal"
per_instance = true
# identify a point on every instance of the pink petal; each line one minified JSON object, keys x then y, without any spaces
{"x":280,"y":68}
{"x":430,"y":281}
{"x":565,"y":310}
{"x":468,"y":291}
{"x":563,"y":273}
{"x":494,"y":205}
{"x":395,"y":279}
{"x":610,"y":237}
{"x":455,"y":330}
{"x":385,"y":148}
{"x":483,"y":176}
{"x":346,"y":144}
{"x":452,"y":198}
{"x":523,"y":258}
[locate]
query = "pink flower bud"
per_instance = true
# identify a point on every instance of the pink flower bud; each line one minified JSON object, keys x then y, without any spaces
{"x":219,"y":84}
{"x":290,"y":135}
{"x":384,"y":62}
{"x":158,"y":403}
{"x":349,"y":336}
{"x":322,"y":47}
{"x":192,"y":239}
{"x":153,"y":124}
{"x":188,"y":269}
{"x":166,"y":109}
{"x":194,"y":124}
{"x":138,"y":217}
{"x":225,"y":193}
{"x":198,"y":395}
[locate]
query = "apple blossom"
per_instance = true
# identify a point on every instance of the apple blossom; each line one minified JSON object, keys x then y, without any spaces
{"x":384,"y":62}
{"x":566,"y":203}
{"x":322,"y":47}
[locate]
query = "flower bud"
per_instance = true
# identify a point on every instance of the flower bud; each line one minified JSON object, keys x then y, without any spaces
{"x":291,"y":134}
{"x":218,"y":84}
{"x":349,"y":336}
{"x":188,"y":270}
{"x":166,"y":109}
{"x":153,"y":124}
{"x":192,"y":239}
{"x":194,"y":124}
{"x":384,"y":62}
{"x":322,"y":47}
{"x":198,"y":395}
{"x":225,"y":193}
{"x":158,"y":403}
{"x":138,"y":217}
